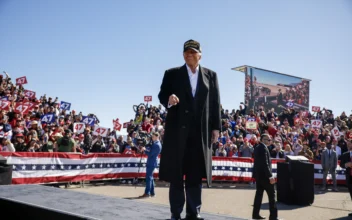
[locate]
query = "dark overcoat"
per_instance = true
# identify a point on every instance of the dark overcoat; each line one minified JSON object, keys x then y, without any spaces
{"x":207,"y":118}
{"x":345,"y":158}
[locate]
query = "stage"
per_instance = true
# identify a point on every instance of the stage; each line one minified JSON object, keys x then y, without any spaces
{"x":43,"y":202}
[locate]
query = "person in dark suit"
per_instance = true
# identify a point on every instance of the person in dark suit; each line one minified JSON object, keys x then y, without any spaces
{"x":262,"y":172}
{"x":190,"y":94}
{"x":152,"y":162}
{"x":346,"y":162}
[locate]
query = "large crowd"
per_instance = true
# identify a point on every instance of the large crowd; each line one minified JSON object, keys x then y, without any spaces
{"x":293,"y":132}
{"x":25,"y":125}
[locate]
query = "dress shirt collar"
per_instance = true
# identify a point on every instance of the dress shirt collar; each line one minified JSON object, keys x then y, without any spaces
{"x":190,"y":71}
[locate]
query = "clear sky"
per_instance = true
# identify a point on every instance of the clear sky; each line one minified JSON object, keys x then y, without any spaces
{"x":104,"y":56}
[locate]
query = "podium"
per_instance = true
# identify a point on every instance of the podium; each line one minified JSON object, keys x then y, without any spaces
{"x":5,"y":172}
{"x":295,"y":181}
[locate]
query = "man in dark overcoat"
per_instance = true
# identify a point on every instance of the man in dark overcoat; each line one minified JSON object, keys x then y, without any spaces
{"x":262,"y":172}
{"x":190,"y":94}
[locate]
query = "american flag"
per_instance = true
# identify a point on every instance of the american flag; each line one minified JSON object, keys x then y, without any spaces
{"x":38,"y":168}
{"x":33,"y":168}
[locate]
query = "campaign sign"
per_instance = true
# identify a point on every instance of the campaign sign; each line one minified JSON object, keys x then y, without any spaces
{"x":148,"y":98}
{"x":100,"y":131}
{"x":47,"y":118}
{"x":30,"y":104}
{"x":317,"y":123}
{"x":5,"y":105}
{"x":297,"y":121}
{"x":336,"y":132}
{"x":22,"y":80}
{"x":65,"y":105}
{"x":251,"y":125}
{"x":88,"y":120}
{"x":29,"y":94}
{"x":78,"y":127}
{"x":305,"y":114}
{"x":117,"y":125}
{"x":21,"y":107}
{"x":315,"y":108}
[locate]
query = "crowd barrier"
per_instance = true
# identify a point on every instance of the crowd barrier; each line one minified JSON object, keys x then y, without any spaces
{"x":40,"y":168}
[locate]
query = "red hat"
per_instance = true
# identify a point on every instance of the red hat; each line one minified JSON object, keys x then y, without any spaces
{"x":19,"y":135}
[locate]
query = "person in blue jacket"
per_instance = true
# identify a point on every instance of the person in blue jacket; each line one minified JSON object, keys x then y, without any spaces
{"x":152,"y":162}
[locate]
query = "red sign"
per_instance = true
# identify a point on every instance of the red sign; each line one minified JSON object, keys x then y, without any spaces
{"x":315,"y":108}
{"x":5,"y":105}
{"x":148,"y":98}
{"x":125,"y":125}
{"x":117,"y":125}
{"x":22,"y":108}
{"x":22,"y":80}
{"x":297,"y":120}
{"x":30,"y":104}
{"x":29,"y":94}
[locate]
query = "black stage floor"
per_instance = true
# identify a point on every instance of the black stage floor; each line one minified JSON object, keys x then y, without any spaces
{"x":87,"y":205}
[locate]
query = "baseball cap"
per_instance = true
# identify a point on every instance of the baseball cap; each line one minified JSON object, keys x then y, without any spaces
{"x":192,"y":44}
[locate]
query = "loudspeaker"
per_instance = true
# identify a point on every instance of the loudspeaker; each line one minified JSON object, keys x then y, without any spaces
{"x":303,"y":182}
{"x":295,"y":183}
{"x":5,"y":172}
{"x":284,"y":185}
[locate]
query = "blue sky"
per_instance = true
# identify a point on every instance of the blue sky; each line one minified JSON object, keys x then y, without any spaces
{"x":104,"y":56}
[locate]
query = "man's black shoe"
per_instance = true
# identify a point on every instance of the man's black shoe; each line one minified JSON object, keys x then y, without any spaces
{"x":175,"y":217}
{"x":258,"y":217}
{"x":350,"y":214}
{"x":193,"y":217}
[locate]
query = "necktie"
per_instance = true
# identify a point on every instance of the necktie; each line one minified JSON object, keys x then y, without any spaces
{"x":329,"y":153}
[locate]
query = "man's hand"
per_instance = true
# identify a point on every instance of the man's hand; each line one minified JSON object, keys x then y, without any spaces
{"x":143,"y":149}
{"x":272,"y":180}
{"x":173,"y":100}
{"x":215,"y":136}
{"x":349,"y":164}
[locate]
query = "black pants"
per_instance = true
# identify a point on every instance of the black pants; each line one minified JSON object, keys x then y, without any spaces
{"x":193,"y":169}
{"x":349,"y":185}
{"x":270,"y":190}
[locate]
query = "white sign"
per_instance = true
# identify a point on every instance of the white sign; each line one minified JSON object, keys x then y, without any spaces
{"x":336,"y":132}
{"x":251,"y":125}
{"x":78,"y":127}
{"x":100,"y":131}
{"x":317,"y":123}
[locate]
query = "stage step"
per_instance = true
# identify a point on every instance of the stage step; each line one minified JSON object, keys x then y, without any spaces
{"x":44,"y":202}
